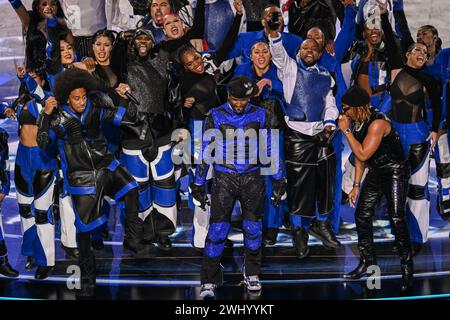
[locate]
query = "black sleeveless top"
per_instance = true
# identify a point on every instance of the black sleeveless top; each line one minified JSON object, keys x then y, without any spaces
{"x":390,"y":154}
{"x":408,"y":97}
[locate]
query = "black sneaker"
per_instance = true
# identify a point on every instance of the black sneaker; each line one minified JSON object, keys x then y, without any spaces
{"x":322,"y":231}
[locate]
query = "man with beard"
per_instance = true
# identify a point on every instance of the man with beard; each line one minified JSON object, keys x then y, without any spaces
{"x":146,"y":144}
{"x":310,"y":159}
{"x":236,"y":178}
{"x":332,"y":61}
{"x":264,"y":72}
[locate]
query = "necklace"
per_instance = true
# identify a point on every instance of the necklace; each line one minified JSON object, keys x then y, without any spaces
{"x":358,"y":126}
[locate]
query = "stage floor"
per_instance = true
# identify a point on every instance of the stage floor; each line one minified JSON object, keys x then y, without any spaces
{"x":175,"y":275}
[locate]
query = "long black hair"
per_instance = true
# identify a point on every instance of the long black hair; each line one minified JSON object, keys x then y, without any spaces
{"x":35,"y":16}
{"x":118,"y":57}
{"x":35,"y":40}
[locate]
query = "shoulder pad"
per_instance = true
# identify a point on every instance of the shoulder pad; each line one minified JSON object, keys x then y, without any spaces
{"x":101,"y":99}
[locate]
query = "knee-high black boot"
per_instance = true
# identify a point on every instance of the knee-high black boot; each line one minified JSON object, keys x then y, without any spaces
{"x":365,"y":246}
{"x":134,"y":227}
{"x":403,"y":244}
{"x":86,"y":262}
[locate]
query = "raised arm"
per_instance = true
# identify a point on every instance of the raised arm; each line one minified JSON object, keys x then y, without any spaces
{"x":346,"y":36}
{"x":394,"y":56}
{"x":53,"y":47}
{"x":198,"y":28}
{"x":287,"y":67}
{"x":22,"y":12}
{"x":34,"y":88}
{"x":230,"y":39}
{"x":402,"y":27}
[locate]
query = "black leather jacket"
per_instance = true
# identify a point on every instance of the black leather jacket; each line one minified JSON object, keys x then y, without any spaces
{"x":80,"y":140}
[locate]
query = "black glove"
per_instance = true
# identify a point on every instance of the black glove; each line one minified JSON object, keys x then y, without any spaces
{"x":322,"y":138}
{"x":278,"y":192}
{"x":199,"y":194}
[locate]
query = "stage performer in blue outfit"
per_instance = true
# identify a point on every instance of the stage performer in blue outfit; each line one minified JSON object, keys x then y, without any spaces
{"x":72,"y":121}
{"x":238,"y":175}
{"x":200,"y":90}
{"x":436,"y":65}
{"x":333,"y":63}
{"x":34,"y":177}
{"x":409,"y":88}
{"x":5,"y":184}
{"x":263,"y":71}
{"x":310,"y":159}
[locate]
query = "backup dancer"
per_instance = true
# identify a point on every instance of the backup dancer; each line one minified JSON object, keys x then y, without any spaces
{"x":5,"y":184}
{"x":408,"y":89}
{"x":146,"y":144}
{"x":310,"y":159}
{"x":72,"y":121}
{"x":34,"y":177}
{"x":200,"y":92}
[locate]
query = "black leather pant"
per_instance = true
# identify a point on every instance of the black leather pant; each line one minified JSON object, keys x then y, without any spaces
{"x":310,"y":172}
{"x":393,"y":184}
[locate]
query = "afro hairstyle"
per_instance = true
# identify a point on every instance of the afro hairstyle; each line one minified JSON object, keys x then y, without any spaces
{"x":72,"y":79}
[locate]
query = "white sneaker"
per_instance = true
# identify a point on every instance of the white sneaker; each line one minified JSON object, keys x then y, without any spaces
{"x":252,"y":283}
{"x":207,"y":291}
